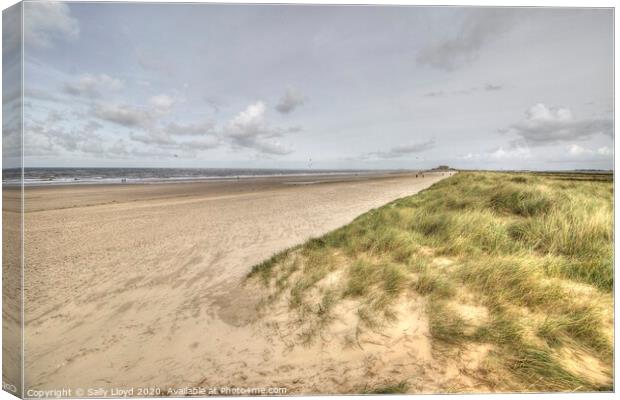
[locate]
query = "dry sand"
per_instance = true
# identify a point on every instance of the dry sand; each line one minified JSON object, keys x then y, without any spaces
{"x":140,"y":285}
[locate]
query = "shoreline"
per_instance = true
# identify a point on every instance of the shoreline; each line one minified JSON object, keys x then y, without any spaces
{"x":33,"y":182}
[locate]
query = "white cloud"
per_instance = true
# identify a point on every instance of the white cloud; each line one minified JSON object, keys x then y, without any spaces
{"x":93,"y":85}
{"x":291,"y":99}
{"x":47,"y":21}
{"x":605,"y":151}
{"x":514,"y":153}
{"x":248,"y":122}
{"x":249,"y":130}
{"x":547,"y":125}
{"x":162,"y":103}
{"x":577,"y":150}
{"x":501,"y":153}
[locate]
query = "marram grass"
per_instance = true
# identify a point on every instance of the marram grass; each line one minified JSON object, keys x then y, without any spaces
{"x":535,"y":249}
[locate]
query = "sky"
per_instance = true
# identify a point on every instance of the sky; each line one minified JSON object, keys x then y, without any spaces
{"x":275,"y":86}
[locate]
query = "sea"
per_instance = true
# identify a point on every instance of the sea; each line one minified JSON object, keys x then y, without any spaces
{"x":76,"y":176}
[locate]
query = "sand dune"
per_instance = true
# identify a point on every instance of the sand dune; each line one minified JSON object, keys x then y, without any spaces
{"x":139,"y":285}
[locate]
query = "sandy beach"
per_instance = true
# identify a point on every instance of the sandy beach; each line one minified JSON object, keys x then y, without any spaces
{"x":140,"y":285}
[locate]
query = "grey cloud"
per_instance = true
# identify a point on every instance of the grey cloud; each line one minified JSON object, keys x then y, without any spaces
{"x":202,"y":128}
{"x":49,"y":137}
{"x":489,"y":87}
{"x":215,"y":103}
{"x":92,"y":126}
{"x":124,"y":115}
{"x":479,"y":27}
{"x":440,"y":93}
{"x":48,"y":21}
{"x":92,"y":85}
{"x":543,"y":125}
{"x":163,"y":140}
{"x":249,"y":130}
{"x":201,"y":144}
{"x":402,"y":150}
{"x":294,"y":129}
{"x":291,"y":99}
{"x":472,"y":90}
{"x":156,"y":136}
{"x":119,"y":149}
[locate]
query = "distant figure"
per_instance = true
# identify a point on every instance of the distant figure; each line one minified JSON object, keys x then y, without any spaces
{"x":124,"y":180}
{"x":416,"y":175}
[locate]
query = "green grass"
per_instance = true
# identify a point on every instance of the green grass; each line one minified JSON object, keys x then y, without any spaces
{"x":444,"y":324}
{"x":542,"y":373}
{"x":520,"y":242}
{"x":394,"y":388}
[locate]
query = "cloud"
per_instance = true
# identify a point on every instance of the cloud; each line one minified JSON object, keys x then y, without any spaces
{"x":489,"y":87}
{"x":479,"y":27}
{"x":156,"y":137}
{"x":402,"y":150}
{"x":163,"y":140}
{"x":439,"y":93}
{"x":201,"y":144}
{"x":544,"y":125}
{"x":249,"y":130}
{"x":124,"y":115}
{"x":511,"y":153}
{"x":47,"y":21}
{"x":577,"y":150}
{"x":475,"y":89}
{"x":93,"y":85}
{"x":500,"y":153}
{"x":162,"y":103}
{"x":290,"y":100}
{"x":119,"y":148}
{"x":131,"y":116}
{"x":51,"y":136}
{"x":203,"y":128}
{"x":168,"y":135}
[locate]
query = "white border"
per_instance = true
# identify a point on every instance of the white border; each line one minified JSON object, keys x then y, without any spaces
{"x":483,"y":3}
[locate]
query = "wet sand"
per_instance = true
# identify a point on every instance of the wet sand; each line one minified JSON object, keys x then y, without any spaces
{"x":140,"y":285}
